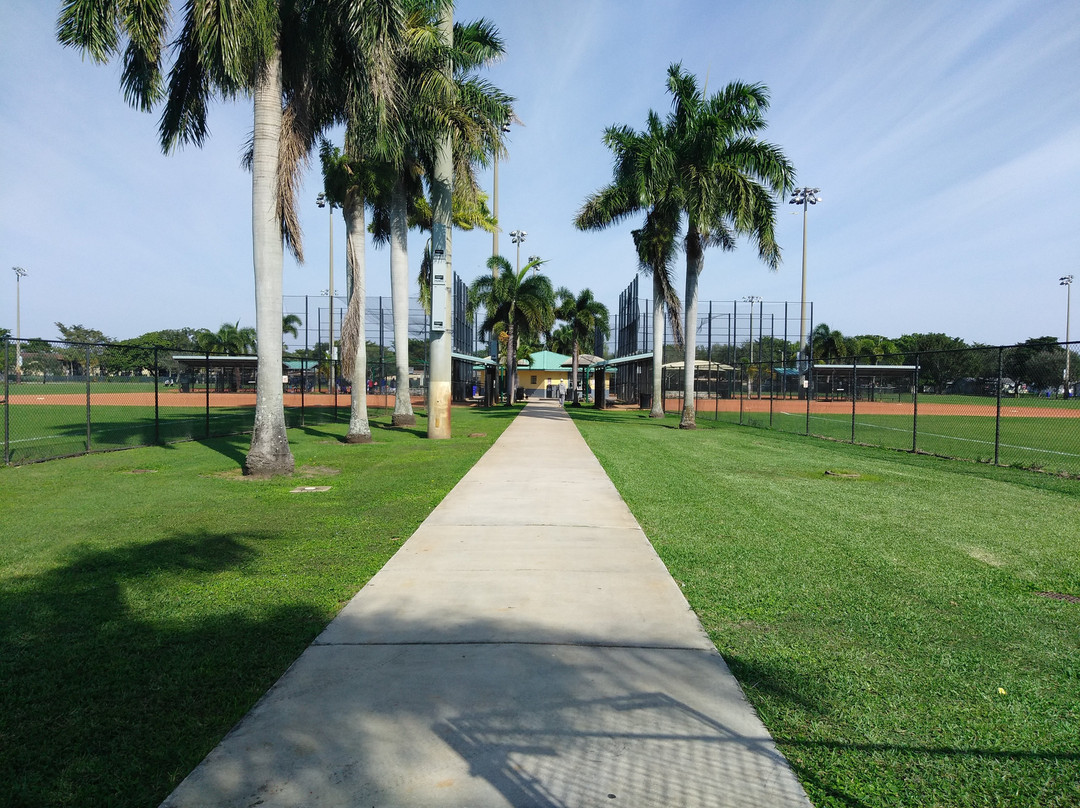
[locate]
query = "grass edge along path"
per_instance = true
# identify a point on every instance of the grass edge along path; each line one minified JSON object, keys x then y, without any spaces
{"x":881,"y":610}
{"x":149,"y":597}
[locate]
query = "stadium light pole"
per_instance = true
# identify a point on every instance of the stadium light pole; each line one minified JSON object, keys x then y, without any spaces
{"x":323,"y":202}
{"x":804,"y":197}
{"x":518,"y":236}
{"x":1066,"y":281}
{"x":495,"y":205}
{"x":752,"y":300}
{"x":493,"y":343}
{"x":19,"y":274}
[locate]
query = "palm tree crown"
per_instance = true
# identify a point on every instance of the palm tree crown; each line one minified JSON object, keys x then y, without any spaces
{"x":230,"y":339}
{"x":293,"y":58}
{"x":583,"y":315}
{"x":723,"y":179}
{"x":641,"y":183}
{"x":520,"y":303}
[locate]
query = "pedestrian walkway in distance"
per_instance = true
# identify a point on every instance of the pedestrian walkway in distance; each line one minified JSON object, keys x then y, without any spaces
{"x":525,"y":647}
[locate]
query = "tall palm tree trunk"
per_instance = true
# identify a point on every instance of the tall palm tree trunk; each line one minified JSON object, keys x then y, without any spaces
{"x":694,"y":261}
{"x":353,"y":330}
{"x":269,"y":453}
{"x":511,"y":362}
{"x":657,"y":410}
{"x":399,"y":291}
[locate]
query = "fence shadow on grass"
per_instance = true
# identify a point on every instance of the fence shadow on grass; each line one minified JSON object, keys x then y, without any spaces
{"x":369,"y":716}
{"x":107,"y":696}
{"x":973,"y":769}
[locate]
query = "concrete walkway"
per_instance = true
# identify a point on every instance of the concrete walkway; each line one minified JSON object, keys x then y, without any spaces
{"x":526,"y":647}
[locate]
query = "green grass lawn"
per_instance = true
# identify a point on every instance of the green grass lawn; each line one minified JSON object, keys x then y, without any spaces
{"x":106,"y":384}
{"x":880,"y":609}
{"x":1052,"y":444}
{"x":37,"y":432}
{"x":149,"y":597}
{"x":42,"y":431}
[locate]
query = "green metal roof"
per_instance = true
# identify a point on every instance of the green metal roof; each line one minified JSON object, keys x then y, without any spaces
{"x":620,"y":360}
{"x":547,"y":360}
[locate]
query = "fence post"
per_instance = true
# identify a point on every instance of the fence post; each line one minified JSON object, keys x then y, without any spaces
{"x":808,"y":390}
{"x":742,"y":393}
{"x":207,"y":416}
{"x":86,"y":370}
{"x":997,"y":416}
{"x":854,"y":393}
{"x":157,"y":426}
{"x":7,"y":405}
{"x":772,"y":389}
{"x":915,"y":409}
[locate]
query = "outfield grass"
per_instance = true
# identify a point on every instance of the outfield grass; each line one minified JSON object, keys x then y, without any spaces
{"x":1052,"y":444}
{"x":149,"y":597}
{"x":142,"y":384}
{"x":1023,"y":400}
{"x":43,"y":431}
{"x":883,"y":619}
{"x":37,"y":432}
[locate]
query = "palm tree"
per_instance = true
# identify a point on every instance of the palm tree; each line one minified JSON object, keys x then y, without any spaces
{"x":561,"y":340}
{"x":229,"y":339}
{"x":724,"y":180}
{"x":290,"y":324}
{"x":349,"y":180}
{"x":515,"y":301}
{"x":829,"y":344}
{"x":584,"y":315}
{"x":471,"y":111}
{"x":640,"y":183}
{"x":291,"y":57}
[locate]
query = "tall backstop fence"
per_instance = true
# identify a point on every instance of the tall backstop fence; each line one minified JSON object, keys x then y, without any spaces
{"x":314,"y":320}
{"x":1007,"y":405}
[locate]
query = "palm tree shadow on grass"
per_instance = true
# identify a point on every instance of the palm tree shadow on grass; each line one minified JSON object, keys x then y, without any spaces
{"x":319,"y":431}
{"x":103,"y":699}
{"x":420,"y":432}
{"x":593,"y":415}
{"x":234,"y":447}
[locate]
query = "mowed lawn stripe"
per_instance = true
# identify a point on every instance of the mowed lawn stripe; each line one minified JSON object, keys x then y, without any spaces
{"x":882,"y":610}
{"x":149,"y":597}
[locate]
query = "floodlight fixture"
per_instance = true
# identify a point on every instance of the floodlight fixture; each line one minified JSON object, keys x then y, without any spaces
{"x":804,"y":196}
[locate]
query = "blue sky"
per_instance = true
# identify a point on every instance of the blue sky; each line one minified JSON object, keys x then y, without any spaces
{"x":945,"y":137}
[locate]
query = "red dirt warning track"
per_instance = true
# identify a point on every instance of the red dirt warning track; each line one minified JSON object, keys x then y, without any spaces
{"x":178,"y":399}
{"x":173,"y":398}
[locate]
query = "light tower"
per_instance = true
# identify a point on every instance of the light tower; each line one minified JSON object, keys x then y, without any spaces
{"x":20,"y":273}
{"x":322,"y":201}
{"x":518,"y":236}
{"x":1066,"y":281}
{"x":804,"y":197}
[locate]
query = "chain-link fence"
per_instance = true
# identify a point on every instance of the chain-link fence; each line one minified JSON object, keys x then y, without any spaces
{"x":315,"y":321}
{"x":61,"y":399}
{"x":757,"y":364}
{"x":1007,"y":405}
